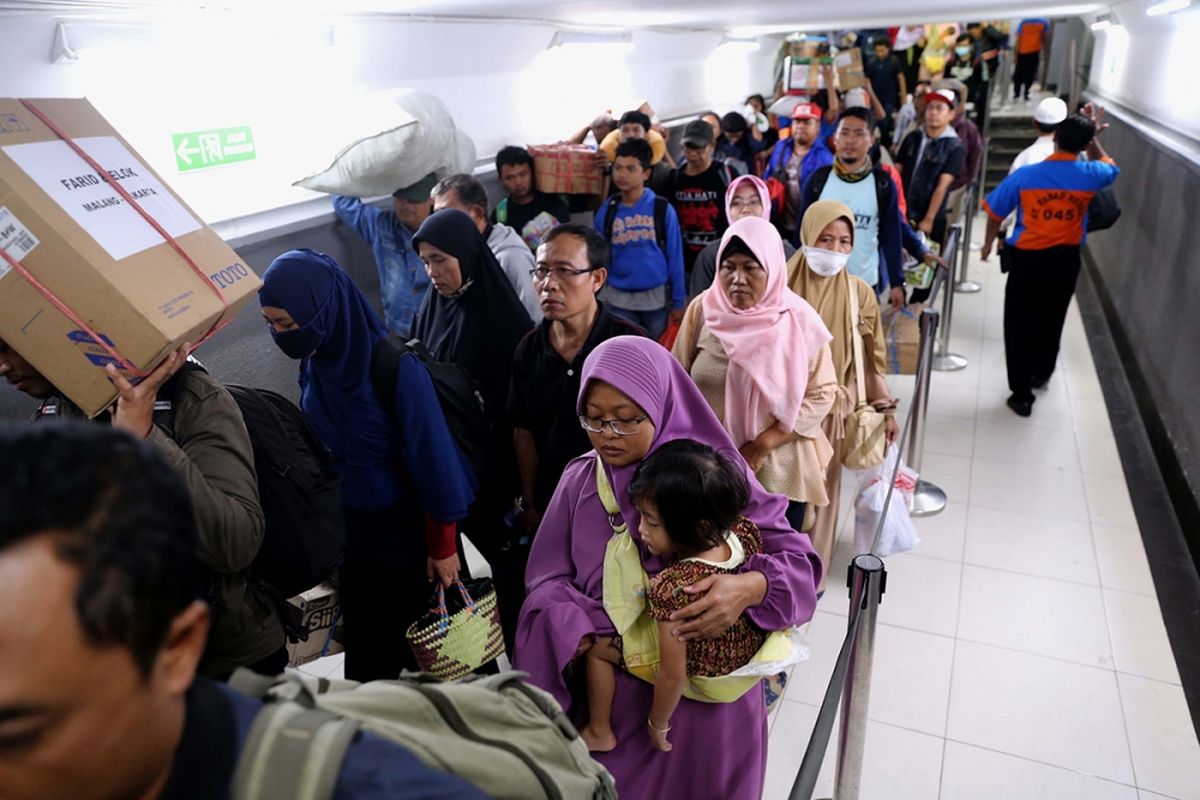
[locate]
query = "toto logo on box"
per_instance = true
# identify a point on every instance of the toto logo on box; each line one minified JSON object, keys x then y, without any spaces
{"x":224,"y":278}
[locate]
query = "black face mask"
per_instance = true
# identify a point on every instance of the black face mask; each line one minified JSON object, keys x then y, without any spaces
{"x":297,"y":344}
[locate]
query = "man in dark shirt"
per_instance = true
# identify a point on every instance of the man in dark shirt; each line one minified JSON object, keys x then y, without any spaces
{"x":572,"y":265}
{"x":886,"y":74}
{"x":697,"y":190}
{"x":103,"y":626}
{"x":930,"y":158}
{"x":527,"y":211}
{"x":738,"y":144}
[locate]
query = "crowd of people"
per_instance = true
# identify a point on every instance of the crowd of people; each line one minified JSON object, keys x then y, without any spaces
{"x":678,"y":375}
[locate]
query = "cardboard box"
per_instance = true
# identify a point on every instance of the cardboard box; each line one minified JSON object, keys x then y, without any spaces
{"x":805,"y":75}
{"x":902,"y":331}
{"x":567,"y":169}
{"x":319,"y":613}
{"x":89,"y":248}
{"x":850,"y":69}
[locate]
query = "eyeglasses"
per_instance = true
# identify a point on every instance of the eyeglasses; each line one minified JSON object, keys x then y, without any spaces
{"x":542,"y":274}
{"x":621,"y":427}
{"x":754,"y":202}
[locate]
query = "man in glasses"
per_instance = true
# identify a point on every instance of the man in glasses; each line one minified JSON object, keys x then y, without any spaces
{"x":572,"y":265}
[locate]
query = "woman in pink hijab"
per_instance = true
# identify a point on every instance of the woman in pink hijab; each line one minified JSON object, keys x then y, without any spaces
{"x":746,"y":196}
{"x":760,"y":355}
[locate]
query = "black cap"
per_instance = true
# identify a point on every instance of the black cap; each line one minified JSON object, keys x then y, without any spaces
{"x":733,"y":122}
{"x":697,"y":134}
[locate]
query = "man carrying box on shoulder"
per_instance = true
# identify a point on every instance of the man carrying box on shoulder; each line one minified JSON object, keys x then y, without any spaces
{"x":210,"y":450}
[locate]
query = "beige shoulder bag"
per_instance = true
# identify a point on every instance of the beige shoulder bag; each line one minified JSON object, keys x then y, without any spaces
{"x":866,"y":429}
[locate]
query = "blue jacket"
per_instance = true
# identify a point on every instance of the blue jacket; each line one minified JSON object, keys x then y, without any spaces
{"x":403,"y":282}
{"x":891,"y":242}
{"x":818,"y":156}
{"x":638,"y":263}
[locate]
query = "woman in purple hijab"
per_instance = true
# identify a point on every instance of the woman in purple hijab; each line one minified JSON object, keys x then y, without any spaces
{"x":720,"y":750}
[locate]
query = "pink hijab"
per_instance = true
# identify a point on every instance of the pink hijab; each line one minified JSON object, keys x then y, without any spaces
{"x":736,"y":183}
{"x":770,"y":345}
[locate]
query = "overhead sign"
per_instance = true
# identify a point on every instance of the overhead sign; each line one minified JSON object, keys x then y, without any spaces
{"x":213,"y":148}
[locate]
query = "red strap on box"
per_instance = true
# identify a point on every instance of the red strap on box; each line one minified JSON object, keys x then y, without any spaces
{"x":128,"y":198}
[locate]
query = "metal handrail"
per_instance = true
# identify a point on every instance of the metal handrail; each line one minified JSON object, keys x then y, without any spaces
{"x":850,"y":683}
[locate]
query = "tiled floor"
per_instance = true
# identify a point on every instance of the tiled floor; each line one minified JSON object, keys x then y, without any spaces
{"x":1020,"y":652}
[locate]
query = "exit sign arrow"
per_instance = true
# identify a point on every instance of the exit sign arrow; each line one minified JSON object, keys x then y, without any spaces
{"x":216,"y":147}
{"x":184,"y":152}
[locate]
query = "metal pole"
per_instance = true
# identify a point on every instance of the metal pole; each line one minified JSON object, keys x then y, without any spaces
{"x":1073,"y":102}
{"x":868,"y":578}
{"x":928,"y":498}
{"x":944,"y":360}
{"x":966,"y":286}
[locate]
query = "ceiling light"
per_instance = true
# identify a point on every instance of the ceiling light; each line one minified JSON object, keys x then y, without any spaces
{"x":746,"y":43}
{"x":619,"y":40}
{"x":1168,"y":7}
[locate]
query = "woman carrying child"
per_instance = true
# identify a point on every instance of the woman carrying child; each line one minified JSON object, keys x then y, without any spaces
{"x":635,"y":399}
{"x":690,"y":498}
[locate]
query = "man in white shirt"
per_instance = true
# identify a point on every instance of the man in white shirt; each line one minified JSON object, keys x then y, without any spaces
{"x":1046,"y":117}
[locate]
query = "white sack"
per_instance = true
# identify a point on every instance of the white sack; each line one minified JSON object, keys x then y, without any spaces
{"x":412,"y":135}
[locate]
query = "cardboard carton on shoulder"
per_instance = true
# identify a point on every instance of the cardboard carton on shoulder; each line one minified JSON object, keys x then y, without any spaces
{"x":850,"y":69}
{"x":805,"y":75}
{"x":89,"y":248}
{"x":318,"y":612}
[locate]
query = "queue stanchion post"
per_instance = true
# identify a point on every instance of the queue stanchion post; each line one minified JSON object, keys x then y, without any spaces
{"x":928,"y":497}
{"x":965,"y":286}
{"x":943,"y":359}
{"x":850,"y":684}
{"x":868,"y":580}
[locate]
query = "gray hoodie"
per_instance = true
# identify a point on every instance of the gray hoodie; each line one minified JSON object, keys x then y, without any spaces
{"x":516,"y":260}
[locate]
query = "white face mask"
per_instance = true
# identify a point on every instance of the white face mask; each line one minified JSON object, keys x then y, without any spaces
{"x":825,"y":263}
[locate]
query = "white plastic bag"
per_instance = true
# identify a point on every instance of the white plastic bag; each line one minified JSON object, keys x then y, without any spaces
{"x":410,"y":135}
{"x":898,"y":533}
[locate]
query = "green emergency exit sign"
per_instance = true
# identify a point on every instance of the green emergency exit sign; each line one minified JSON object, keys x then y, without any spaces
{"x":212,"y":148}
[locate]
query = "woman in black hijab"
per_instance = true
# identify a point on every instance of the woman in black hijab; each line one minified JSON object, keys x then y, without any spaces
{"x":473,"y":318}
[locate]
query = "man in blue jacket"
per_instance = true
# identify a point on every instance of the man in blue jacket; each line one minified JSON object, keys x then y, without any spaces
{"x":871,"y":194}
{"x":97,"y":547}
{"x":402,"y":279}
{"x":793,"y":161}
{"x":645,"y":285}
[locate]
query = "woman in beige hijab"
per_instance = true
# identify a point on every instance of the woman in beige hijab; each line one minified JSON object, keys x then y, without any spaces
{"x":817,"y":272}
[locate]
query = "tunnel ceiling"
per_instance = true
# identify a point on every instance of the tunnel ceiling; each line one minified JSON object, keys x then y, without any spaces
{"x":748,"y":17}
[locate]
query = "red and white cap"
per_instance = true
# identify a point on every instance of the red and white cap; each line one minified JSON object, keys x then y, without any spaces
{"x":806,"y":111}
{"x":944,"y":95}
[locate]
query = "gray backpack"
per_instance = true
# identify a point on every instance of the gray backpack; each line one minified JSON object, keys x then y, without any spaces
{"x":508,"y":738}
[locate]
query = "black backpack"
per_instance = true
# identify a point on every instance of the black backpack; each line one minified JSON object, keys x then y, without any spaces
{"x":457,"y":392}
{"x":660,"y":220}
{"x":298,"y":487}
{"x":1104,"y":211}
